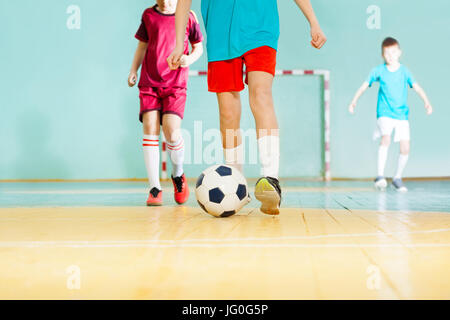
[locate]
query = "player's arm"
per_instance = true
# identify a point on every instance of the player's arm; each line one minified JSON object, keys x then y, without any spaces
{"x":318,"y":37}
{"x":358,"y":95}
{"x":181,"y":21}
{"x":137,"y":62}
{"x":196,"y":53}
{"x":424,"y":97}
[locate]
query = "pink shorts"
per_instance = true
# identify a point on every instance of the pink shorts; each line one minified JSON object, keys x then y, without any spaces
{"x":166,"y":100}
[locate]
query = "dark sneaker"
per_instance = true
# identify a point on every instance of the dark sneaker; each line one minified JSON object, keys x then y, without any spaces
{"x":181,"y":189}
{"x":398,"y":185}
{"x":380,"y":183}
{"x":154,"y":198}
{"x":268,"y":191}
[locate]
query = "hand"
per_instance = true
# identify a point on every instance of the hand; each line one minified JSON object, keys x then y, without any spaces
{"x":429,"y":108}
{"x":352,"y":107}
{"x":318,"y":38}
{"x":185,"y":61}
{"x":132,"y":78}
{"x":174,"y":60}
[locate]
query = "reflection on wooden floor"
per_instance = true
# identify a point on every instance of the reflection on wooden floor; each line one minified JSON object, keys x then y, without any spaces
{"x":182,"y":253}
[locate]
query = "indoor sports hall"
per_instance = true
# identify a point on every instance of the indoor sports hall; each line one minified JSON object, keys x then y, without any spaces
{"x":74,"y":223}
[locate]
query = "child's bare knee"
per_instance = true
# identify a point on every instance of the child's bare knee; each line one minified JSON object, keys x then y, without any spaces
{"x":228,"y":115}
{"x":261,"y":93}
{"x":151,"y":130}
{"x":385,"y":141}
{"x":150,"y":124}
{"x":172,"y":134}
{"x":404,"y":148}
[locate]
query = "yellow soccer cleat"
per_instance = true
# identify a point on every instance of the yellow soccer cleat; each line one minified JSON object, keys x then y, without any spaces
{"x":268,"y":191}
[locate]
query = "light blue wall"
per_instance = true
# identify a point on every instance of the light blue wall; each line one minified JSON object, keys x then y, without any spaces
{"x":66,"y":112}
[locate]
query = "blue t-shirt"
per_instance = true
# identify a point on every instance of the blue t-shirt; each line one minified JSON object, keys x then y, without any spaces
{"x":393,"y":93}
{"x":234,"y":27}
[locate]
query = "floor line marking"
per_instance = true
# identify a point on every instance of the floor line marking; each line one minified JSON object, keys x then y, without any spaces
{"x":162,"y":241}
{"x":57,"y":244}
{"x":143,"y":190}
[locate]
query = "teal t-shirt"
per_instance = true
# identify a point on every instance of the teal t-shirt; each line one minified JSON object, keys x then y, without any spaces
{"x":234,"y":27}
{"x":393,"y":93}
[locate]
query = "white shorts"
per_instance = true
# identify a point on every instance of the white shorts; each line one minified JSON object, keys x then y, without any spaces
{"x":385,"y":126}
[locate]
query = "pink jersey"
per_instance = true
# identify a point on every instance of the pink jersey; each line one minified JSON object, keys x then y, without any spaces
{"x":158,"y":30}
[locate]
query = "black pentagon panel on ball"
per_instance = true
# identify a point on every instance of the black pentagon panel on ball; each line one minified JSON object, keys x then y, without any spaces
{"x":241,"y":192}
{"x":200,"y":180}
{"x":224,"y":171}
{"x":216,"y":195}
{"x":202,"y":206}
{"x":227,"y":214}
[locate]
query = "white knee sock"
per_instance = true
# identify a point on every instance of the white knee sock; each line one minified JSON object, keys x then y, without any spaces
{"x":176,"y":154}
{"x":151,"y":156}
{"x":382,"y":157}
{"x":269,"y":155}
{"x":235,"y":157}
{"x":402,"y":160}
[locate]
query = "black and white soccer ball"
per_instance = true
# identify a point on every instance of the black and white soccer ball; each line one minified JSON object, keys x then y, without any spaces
{"x":221,"y":191}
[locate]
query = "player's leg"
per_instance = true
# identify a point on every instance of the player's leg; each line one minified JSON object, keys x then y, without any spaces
{"x":267,"y":188}
{"x":403,"y":158}
{"x":267,"y":132}
{"x":261,"y":64}
{"x":175,"y":143}
{"x":402,"y":134}
{"x":385,"y":127}
{"x":174,"y":101}
{"x":402,"y":161}
{"x":225,"y":79}
{"x":380,"y":180}
{"x":150,"y":143}
{"x":175,"y":149}
{"x":230,"y":118}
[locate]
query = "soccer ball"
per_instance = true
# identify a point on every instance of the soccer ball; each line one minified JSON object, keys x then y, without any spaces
{"x":221,"y":191}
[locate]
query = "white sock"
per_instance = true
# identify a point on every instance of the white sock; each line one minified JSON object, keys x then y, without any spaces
{"x":176,"y":154}
{"x":382,"y":157}
{"x":269,"y":155}
{"x":402,"y":160}
{"x":151,"y":156}
{"x":235,"y":157}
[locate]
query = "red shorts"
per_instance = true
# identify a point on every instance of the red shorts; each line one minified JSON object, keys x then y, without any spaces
{"x":167,"y":100}
{"x":227,"y":76}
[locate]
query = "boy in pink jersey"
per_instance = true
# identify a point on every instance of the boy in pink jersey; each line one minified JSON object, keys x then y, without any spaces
{"x":163,"y":92}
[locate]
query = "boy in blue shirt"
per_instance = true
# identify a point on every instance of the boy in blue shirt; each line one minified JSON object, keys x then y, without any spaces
{"x":392,"y":109}
{"x":245,"y":33}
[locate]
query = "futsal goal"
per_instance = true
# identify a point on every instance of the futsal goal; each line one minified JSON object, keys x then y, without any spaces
{"x":324,"y":76}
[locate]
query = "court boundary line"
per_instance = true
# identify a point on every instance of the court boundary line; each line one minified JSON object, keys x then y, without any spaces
{"x":56,"y":244}
{"x":200,"y":242}
{"x":335,"y":189}
{"x":191,"y":179}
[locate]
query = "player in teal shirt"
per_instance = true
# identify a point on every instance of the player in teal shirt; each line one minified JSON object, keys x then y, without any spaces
{"x":392,"y":109}
{"x":393,"y":92}
{"x":237,"y":26}
{"x":242,"y":41}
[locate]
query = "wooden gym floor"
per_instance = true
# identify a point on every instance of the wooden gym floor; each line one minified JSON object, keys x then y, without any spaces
{"x":340,"y":240}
